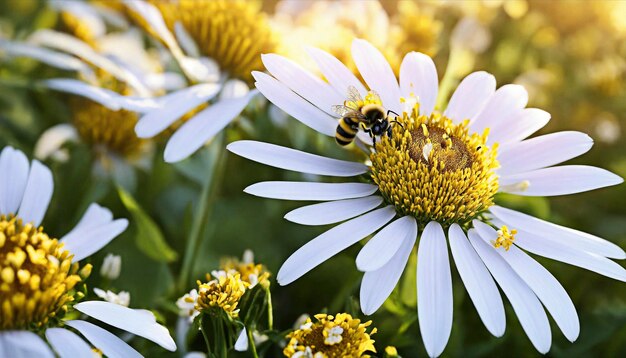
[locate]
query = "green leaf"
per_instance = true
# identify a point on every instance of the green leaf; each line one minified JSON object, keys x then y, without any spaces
{"x":148,"y":237}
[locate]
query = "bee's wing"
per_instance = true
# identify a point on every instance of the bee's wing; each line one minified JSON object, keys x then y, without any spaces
{"x":354,"y":95}
{"x":345,"y":111}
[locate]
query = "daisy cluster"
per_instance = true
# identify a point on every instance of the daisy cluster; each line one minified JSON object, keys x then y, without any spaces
{"x":145,"y":116}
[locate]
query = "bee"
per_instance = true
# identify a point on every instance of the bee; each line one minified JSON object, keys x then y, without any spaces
{"x":356,"y":113}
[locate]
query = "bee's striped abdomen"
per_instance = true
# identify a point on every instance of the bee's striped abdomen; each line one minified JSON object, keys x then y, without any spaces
{"x":346,"y":131}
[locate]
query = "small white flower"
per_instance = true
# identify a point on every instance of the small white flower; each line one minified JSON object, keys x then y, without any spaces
{"x":122,"y":298}
{"x":248,"y":257}
{"x":111,"y":267}
{"x":187,"y":305}
{"x":301,"y":322}
{"x":334,"y":335}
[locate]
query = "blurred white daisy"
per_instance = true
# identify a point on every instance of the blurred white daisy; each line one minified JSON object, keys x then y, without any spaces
{"x":42,"y":279}
{"x":435,"y":179}
{"x":195,"y":112}
{"x":226,"y":90}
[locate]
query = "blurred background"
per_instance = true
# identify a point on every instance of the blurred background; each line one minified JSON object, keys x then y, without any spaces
{"x":570,"y":55}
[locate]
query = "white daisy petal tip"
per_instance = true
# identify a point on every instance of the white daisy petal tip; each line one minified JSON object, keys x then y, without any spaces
{"x":384,"y":245}
{"x":333,"y":211}
{"x":295,"y":160}
{"x":478,"y":282}
{"x":331,"y":242}
{"x":434,"y":289}
{"x":140,"y":322}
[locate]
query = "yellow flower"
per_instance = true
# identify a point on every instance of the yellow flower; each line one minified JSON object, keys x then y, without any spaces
{"x":234,"y":33}
{"x":331,"y":336}
{"x":223,"y":292}
{"x":250,"y":272}
{"x":430,"y":155}
{"x":38,"y":276}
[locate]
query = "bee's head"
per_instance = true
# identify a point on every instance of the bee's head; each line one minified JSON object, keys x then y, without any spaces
{"x":373,"y":112}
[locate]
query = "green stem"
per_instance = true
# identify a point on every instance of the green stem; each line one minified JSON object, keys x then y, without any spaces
{"x":251,"y":344}
{"x":205,"y":209}
{"x":270,"y":313}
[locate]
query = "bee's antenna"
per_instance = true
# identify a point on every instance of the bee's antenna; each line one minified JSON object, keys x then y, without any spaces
{"x":390,"y":111}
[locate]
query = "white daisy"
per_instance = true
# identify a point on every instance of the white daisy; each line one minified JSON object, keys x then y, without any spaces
{"x":123,"y":57}
{"x":435,"y":179}
{"x":41,"y":275}
{"x":229,"y":96}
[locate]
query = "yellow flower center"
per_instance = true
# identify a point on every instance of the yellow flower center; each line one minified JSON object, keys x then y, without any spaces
{"x":105,"y":128}
{"x":223,"y":292}
{"x":38,"y":276}
{"x":331,"y":336}
{"x":435,"y":170}
{"x":505,"y":238}
{"x":232,"y":32}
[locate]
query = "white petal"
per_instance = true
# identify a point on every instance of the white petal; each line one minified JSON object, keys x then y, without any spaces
{"x":294,"y":105}
{"x":542,"y":151}
{"x":434,"y":289}
{"x":23,"y":344}
{"x":546,"y":287}
{"x":77,"y":47}
{"x":377,"y":73}
{"x":234,"y":88}
{"x":185,"y":40}
{"x":37,"y":194}
{"x":567,"y":237}
{"x":384,"y":245}
{"x":478,"y":282}
{"x":166,"y":81}
{"x":552,"y":248}
{"x":288,"y":190}
{"x":302,"y":82}
{"x":95,"y":230}
{"x":105,"y":97}
{"x":14,"y":170}
{"x":203,"y":127}
{"x":378,"y":285}
{"x":51,"y":141}
{"x":335,"y":72}
{"x":501,"y":108}
{"x":291,"y":159}
{"x":241,"y":345}
{"x":104,"y":340}
{"x":130,"y":320}
{"x":418,"y":75}
{"x":198,"y":70}
{"x":173,"y":107}
{"x":333,"y":211}
{"x":153,"y":17}
{"x":67,"y":344}
{"x":332,"y":242}
{"x":527,"y":307}
{"x":52,"y":58}
{"x":522,"y":125}
{"x":561,"y":180}
{"x":470,"y":96}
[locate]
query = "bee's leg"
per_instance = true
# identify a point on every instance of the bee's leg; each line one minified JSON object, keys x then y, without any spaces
{"x":389,"y":132}
{"x":390,"y":111}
